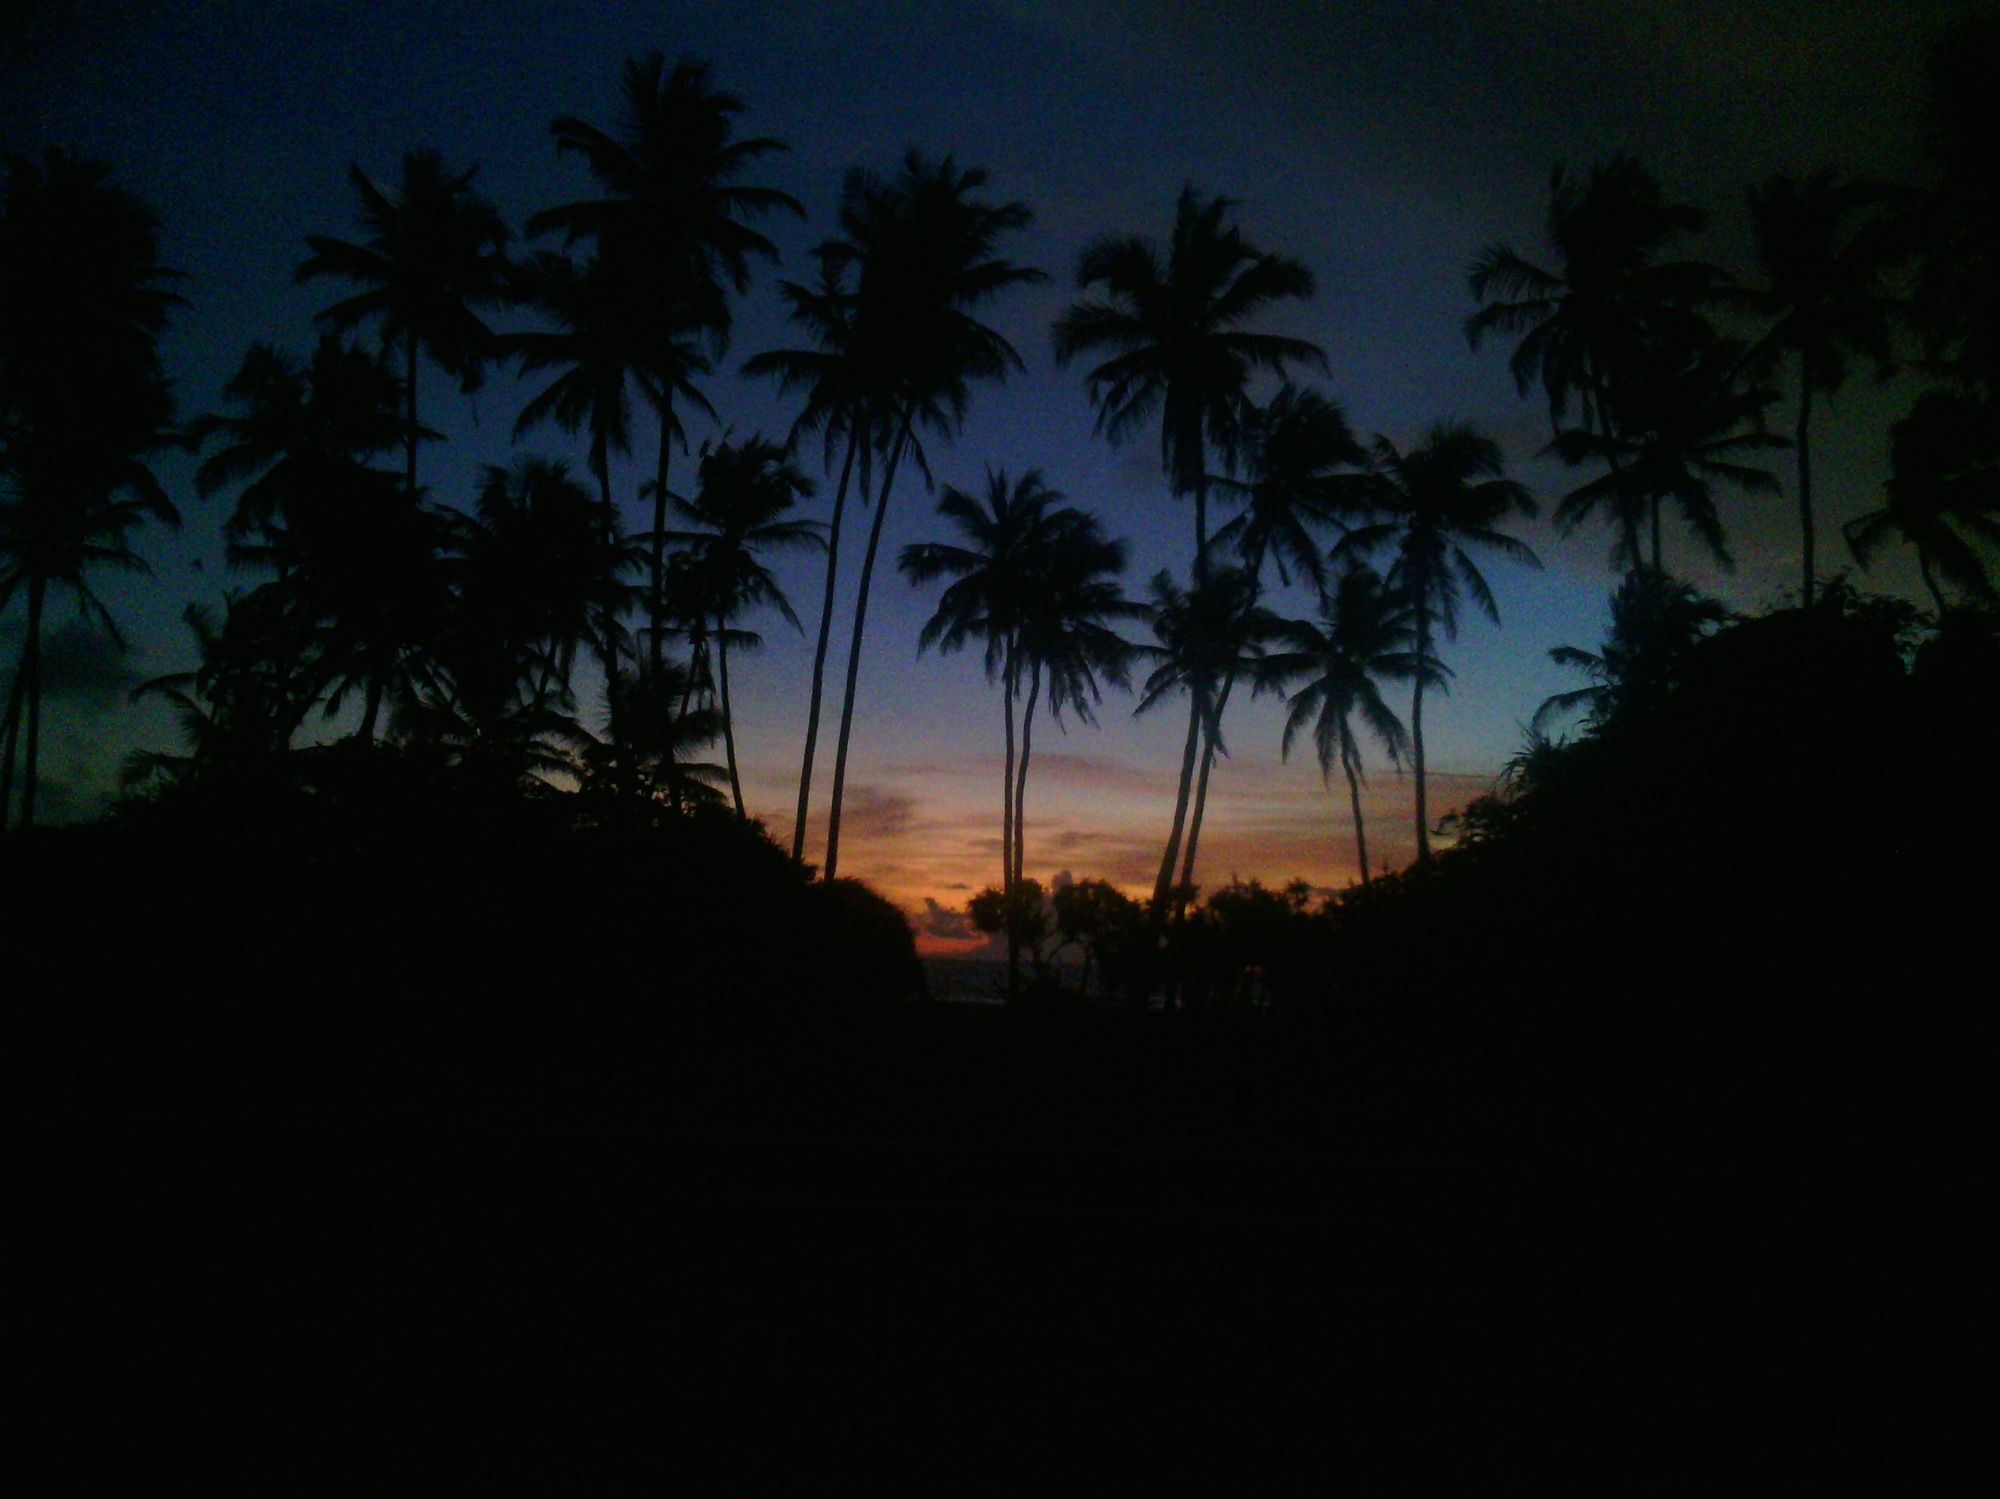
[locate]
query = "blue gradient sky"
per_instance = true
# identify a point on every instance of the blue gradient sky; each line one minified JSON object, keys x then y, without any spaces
{"x":1382,"y":144}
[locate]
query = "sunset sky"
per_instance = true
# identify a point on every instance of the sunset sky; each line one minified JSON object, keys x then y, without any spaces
{"x":1381,"y":143}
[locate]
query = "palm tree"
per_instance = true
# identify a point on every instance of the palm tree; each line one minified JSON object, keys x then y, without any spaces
{"x":1582,"y":325}
{"x":1942,"y":497}
{"x":1067,"y":636}
{"x":1365,"y":635}
{"x":738,"y":511}
{"x":1295,"y":451}
{"x":1176,"y":342}
{"x":83,"y":406}
{"x":433,"y":253}
{"x":1445,"y":495}
{"x":673,"y":226}
{"x":1655,"y":622}
{"x":1822,"y":263}
{"x":838,"y":395}
{"x":923,"y":249}
{"x":993,"y":573}
{"x":1682,"y":422}
{"x":302,"y":434}
{"x":1207,"y":635}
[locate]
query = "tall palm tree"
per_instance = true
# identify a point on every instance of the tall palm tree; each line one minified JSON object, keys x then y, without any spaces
{"x":1443,"y":499}
{"x":434,"y":253}
{"x":924,"y":250}
{"x":1822,"y":261}
{"x":1581,"y":325}
{"x":993,"y":571}
{"x":838,"y":391}
{"x":1067,"y":636}
{"x":739,"y":510}
{"x":1296,"y":453}
{"x":83,"y":407}
{"x":1175,"y":338}
{"x":1207,"y":635}
{"x":1366,"y":634}
{"x":674,"y":226}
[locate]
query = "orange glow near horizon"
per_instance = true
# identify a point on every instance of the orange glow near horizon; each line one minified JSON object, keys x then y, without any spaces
{"x":926,"y":834}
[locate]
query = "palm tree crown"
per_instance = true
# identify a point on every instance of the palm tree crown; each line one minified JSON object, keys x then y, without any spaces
{"x":1172,"y":329}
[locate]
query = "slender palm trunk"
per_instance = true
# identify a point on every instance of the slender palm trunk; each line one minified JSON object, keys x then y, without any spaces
{"x":854,"y":649}
{"x":728,"y":722}
{"x":607,"y":628}
{"x":1805,"y":479}
{"x":1659,"y":566}
{"x":1354,"y":800}
{"x":1008,"y":685}
{"x":1163,"y":886}
{"x":1417,"y":736}
{"x":370,"y":713}
{"x":31,"y":675}
{"x":819,"y":651}
{"x":1021,"y":775}
{"x":12,"y":735}
{"x":657,"y":590}
{"x":1201,"y":781}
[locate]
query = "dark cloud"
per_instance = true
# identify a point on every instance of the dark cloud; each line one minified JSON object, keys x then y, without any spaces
{"x":83,"y":665}
{"x":871,"y":812}
{"x":941,"y":921}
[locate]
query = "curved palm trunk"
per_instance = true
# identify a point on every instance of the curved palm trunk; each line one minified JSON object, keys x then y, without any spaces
{"x":1007,"y":689}
{"x":370,"y":713}
{"x":1163,"y":886}
{"x":31,"y":675}
{"x":607,"y":633}
{"x":819,"y":651}
{"x":854,"y":649}
{"x":1021,"y":775}
{"x":1930,"y":582}
{"x":1802,"y":441}
{"x":728,"y":723}
{"x":1354,"y":800}
{"x":1417,"y":737}
{"x":1201,"y":782}
{"x":657,"y":587}
{"x":1659,"y":562}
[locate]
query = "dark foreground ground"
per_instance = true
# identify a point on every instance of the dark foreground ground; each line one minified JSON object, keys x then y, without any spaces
{"x":954,"y":1247}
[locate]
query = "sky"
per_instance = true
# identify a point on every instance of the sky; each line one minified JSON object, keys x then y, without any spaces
{"x":1382,"y":143}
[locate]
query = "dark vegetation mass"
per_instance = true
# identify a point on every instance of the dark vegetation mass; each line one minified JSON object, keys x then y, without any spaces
{"x":1734,"y":922}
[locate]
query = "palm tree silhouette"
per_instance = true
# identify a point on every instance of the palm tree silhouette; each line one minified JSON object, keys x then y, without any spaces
{"x":993,"y":574}
{"x":1581,"y":326}
{"x":83,"y":406}
{"x":1365,"y":634}
{"x":1295,"y":451}
{"x":1682,"y":421}
{"x":1207,"y":634}
{"x":838,"y":406}
{"x":1655,"y":621}
{"x":433,"y":253}
{"x":1822,"y":260}
{"x":302,"y":434}
{"x":1176,"y":342}
{"x":924,"y":252}
{"x":738,"y":511}
{"x":673,"y":226}
{"x":1942,"y":497}
{"x":1446,"y":494}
